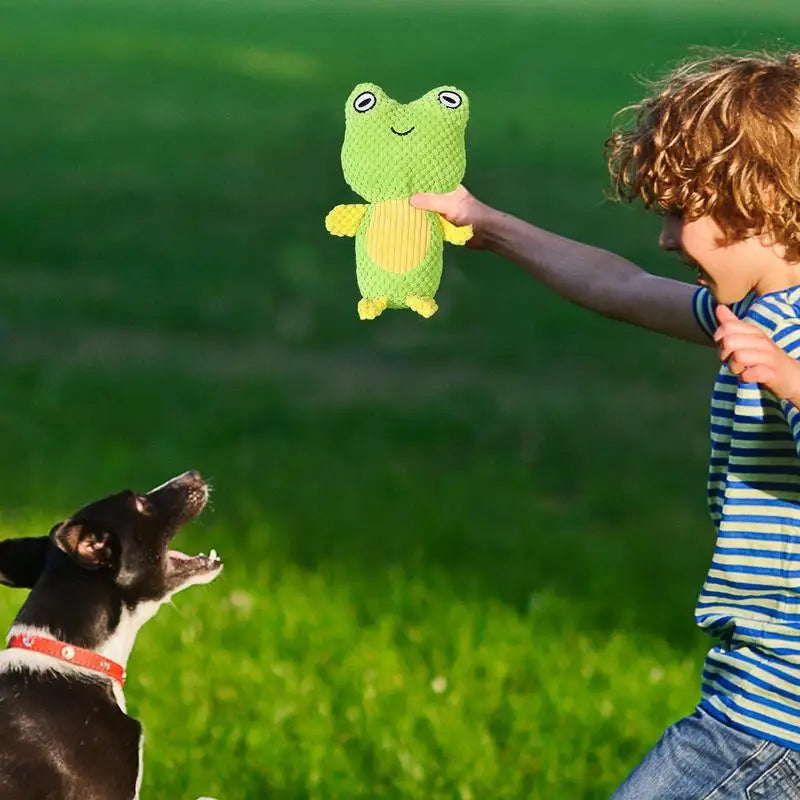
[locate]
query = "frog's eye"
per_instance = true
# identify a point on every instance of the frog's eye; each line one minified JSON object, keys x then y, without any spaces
{"x":450,"y":99}
{"x":364,"y":102}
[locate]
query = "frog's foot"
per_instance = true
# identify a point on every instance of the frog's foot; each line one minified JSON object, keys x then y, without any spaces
{"x":424,"y":306}
{"x":371,"y":307}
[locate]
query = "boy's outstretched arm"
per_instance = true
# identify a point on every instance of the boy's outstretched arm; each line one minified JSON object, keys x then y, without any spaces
{"x":588,"y":276}
{"x":22,"y":560}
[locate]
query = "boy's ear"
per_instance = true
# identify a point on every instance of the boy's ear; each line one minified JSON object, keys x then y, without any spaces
{"x":90,"y":549}
{"x":22,"y":561}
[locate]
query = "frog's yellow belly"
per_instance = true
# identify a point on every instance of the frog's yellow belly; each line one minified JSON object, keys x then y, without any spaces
{"x":398,"y":237}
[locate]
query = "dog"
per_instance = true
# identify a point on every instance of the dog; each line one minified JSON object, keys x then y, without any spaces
{"x":94,"y":580}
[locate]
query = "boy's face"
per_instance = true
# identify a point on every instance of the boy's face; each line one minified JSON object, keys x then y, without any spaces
{"x":729,"y":270}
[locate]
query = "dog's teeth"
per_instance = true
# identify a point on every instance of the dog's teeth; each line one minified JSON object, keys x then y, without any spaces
{"x":213,"y":555}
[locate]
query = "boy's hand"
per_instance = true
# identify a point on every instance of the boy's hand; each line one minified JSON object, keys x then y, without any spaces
{"x":458,"y":207}
{"x":755,"y":358}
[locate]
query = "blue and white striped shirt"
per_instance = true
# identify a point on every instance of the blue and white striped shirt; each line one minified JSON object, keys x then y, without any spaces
{"x":751,"y":596}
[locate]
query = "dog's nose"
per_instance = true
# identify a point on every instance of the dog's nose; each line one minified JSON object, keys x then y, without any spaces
{"x":186,"y":479}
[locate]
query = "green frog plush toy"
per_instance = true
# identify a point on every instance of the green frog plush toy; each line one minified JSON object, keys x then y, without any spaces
{"x":390,"y":152}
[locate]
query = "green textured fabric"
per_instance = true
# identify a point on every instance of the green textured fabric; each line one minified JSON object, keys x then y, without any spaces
{"x":392,"y":150}
{"x":380,"y":164}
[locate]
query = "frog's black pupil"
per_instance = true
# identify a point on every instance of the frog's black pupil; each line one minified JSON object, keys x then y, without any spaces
{"x":363,"y":103}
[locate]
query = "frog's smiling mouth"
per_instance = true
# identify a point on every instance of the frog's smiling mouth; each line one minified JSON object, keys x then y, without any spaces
{"x":403,"y":133}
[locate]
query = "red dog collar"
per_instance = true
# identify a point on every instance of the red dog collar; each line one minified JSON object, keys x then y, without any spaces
{"x":71,"y":654}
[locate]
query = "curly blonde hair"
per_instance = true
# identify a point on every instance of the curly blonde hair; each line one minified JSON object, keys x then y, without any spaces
{"x":719,"y":137}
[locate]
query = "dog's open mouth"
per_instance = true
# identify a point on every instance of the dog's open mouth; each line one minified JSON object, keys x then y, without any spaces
{"x":183,"y":498}
{"x":183,"y":568}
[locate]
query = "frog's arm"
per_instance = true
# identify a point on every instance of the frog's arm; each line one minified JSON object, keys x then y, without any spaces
{"x":344,"y":220}
{"x":455,"y":234}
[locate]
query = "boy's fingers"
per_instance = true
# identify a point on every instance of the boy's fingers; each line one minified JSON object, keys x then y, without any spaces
{"x":427,"y":202}
{"x":738,"y":328}
{"x":441,"y":203}
{"x":729,"y":333}
{"x":736,"y":366}
{"x":740,"y":342}
{"x":756,"y":374}
{"x":744,"y":359}
{"x":724,"y":314}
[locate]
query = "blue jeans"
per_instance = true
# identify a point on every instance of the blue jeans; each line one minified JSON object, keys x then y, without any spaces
{"x":701,"y":758}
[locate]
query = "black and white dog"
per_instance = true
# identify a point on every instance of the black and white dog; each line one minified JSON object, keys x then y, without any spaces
{"x":95,"y":580}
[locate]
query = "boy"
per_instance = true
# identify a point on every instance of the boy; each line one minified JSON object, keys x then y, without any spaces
{"x":716,"y":151}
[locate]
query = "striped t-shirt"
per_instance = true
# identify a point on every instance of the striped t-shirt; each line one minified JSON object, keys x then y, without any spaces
{"x":751,"y":597}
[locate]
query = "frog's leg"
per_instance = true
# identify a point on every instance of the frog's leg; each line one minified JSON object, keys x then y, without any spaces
{"x":424,"y":306}
{"x":344,"y":220}
{"x":371,"y":307}
{"x":455,"y":234}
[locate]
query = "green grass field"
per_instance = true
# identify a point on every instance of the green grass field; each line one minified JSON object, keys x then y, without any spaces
{"x":461,"y":554}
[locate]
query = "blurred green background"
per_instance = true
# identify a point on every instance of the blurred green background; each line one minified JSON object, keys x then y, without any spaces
{"x":461,"y":554}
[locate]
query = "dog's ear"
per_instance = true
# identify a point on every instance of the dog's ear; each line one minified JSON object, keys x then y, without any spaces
{"x":22,"y":561}
{"x":89,"y":548}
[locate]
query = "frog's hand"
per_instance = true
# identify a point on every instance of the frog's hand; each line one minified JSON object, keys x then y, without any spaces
{"x":455,"y":234}
{"x":344,"y":220}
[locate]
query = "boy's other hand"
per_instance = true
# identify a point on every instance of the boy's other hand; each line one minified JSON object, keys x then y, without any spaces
{"x":754,"y":357}
{"x":458,"y":207}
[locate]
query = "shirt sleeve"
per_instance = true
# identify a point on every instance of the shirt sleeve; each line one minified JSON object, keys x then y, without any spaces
{"x":703,"y":305}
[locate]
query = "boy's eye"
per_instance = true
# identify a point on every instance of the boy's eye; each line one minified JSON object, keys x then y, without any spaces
{"x":450,"y":99}
{"x":364,"y":102}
